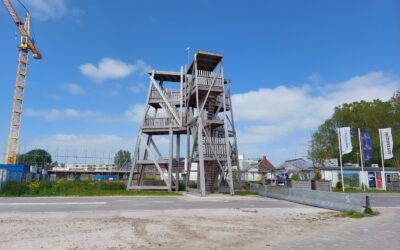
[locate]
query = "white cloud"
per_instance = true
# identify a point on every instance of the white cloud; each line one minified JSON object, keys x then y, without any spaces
{"x":137,"y":88}
{"x":69,"y":113}
{"x":109,"y":68}
{"x":114,"y":92}
{"x":73,"y":89}
{"x":135,"y":113}
{"x":314,"y":77}
{"x":51,"y":9}
{"x":270,"y":115}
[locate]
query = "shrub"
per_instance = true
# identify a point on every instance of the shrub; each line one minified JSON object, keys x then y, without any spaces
{"x":192,"y":184}
{"x":317,"y":176}
{"x":182,"y":186}
{"x":14,"y":188}
{"x":339,"y":185}
{"x":295,"y":177}
{"x":112,"y":185}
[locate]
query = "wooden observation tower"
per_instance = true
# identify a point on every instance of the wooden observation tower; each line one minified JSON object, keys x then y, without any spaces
{"x":194,"y":105}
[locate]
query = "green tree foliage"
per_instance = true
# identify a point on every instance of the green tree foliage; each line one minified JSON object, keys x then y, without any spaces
{"x":368,"y":116}
{"x":123,"y":159}
{"x":35,"y":157}
{"x":295,"y":177}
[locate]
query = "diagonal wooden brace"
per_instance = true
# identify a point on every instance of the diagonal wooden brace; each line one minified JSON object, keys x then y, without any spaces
{"x":155,"y":84}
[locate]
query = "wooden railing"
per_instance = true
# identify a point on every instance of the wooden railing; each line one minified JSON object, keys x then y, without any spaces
{"x":170,"y":94}
{"x":204,"y":78}
{"x":162,"y":121}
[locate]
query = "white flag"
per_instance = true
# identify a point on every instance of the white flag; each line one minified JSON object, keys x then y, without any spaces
{"x":345,"y":139}
{"x":387,"y":142}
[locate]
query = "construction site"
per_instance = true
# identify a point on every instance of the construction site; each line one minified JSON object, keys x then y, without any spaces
{"x":129,"y":139}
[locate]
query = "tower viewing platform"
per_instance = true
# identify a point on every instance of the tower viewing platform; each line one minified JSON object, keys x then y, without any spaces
{"x":196,"y":104}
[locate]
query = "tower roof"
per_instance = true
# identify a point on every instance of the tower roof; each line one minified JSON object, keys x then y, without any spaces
{"x":206,"y":61}
{"x":166,"y":76}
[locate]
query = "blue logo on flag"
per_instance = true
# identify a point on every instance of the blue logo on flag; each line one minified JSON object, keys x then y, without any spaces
{"x":366,"y":143}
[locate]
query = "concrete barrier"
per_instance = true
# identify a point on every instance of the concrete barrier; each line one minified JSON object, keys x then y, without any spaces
{"x":306,"y":185}
{"x":329,"y":200}
{"x":254,"y":187}
{"x":323,"y":186}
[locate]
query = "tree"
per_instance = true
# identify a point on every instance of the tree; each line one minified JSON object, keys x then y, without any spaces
{"x":35,"y":157}
{"x":368,"y":116}
{"x":123,"y":159}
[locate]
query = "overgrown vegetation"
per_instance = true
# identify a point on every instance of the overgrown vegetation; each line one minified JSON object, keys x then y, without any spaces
{"x":356,"y":215}
{"x":74,"y":188}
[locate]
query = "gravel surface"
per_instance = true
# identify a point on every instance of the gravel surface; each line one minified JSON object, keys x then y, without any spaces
{"x":277,"y":227}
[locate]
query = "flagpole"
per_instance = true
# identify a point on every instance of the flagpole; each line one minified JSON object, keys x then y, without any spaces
{"x":340,"y":157}
{"x":361,"y":158}
{"x":383,"y":161}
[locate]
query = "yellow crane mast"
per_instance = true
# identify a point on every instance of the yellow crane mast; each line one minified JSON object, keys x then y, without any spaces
{"x":25,"y":46}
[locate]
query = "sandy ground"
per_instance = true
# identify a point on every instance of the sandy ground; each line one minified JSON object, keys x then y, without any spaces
{"x":194,"y":229}
{"x":255,"y":228}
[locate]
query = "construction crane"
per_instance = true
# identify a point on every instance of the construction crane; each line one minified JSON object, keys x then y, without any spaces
{"x":27,"y":44}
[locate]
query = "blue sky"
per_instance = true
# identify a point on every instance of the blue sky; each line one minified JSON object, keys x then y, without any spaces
{"x":294,"y":60}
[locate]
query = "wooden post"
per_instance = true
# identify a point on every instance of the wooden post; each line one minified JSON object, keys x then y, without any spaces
{"x":178,"y":148}
{"x":228,"y":150}
{"x":201,"y":157}
{"x":187,"y":157}
{"x":232,"y":122}
{"x":170,"y":159}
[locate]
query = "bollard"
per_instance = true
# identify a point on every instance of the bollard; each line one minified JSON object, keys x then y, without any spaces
{"x":367,"y":202}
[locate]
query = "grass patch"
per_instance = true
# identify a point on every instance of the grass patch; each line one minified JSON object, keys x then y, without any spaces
{"x":350,"y":214}
{"x":245,"y":192}
{"x":74,"y":188}
{"x":242,"y":193}
{"x":356,"y":215}
{"x":370,"y":212}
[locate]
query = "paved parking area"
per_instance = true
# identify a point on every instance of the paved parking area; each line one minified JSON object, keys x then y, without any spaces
{"x":385,"y":200}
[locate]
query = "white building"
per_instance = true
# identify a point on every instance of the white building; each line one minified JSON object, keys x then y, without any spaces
{"x":372,"y":177}
{"x":86,"y":167}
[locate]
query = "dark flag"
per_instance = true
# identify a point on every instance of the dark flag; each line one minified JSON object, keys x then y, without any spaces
{"x":366,"y":144}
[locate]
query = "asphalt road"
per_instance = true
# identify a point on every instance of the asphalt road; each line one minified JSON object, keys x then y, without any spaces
{"x":385,"y":200}
{"x":134,"y":203}
{"x":137,"y":203}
